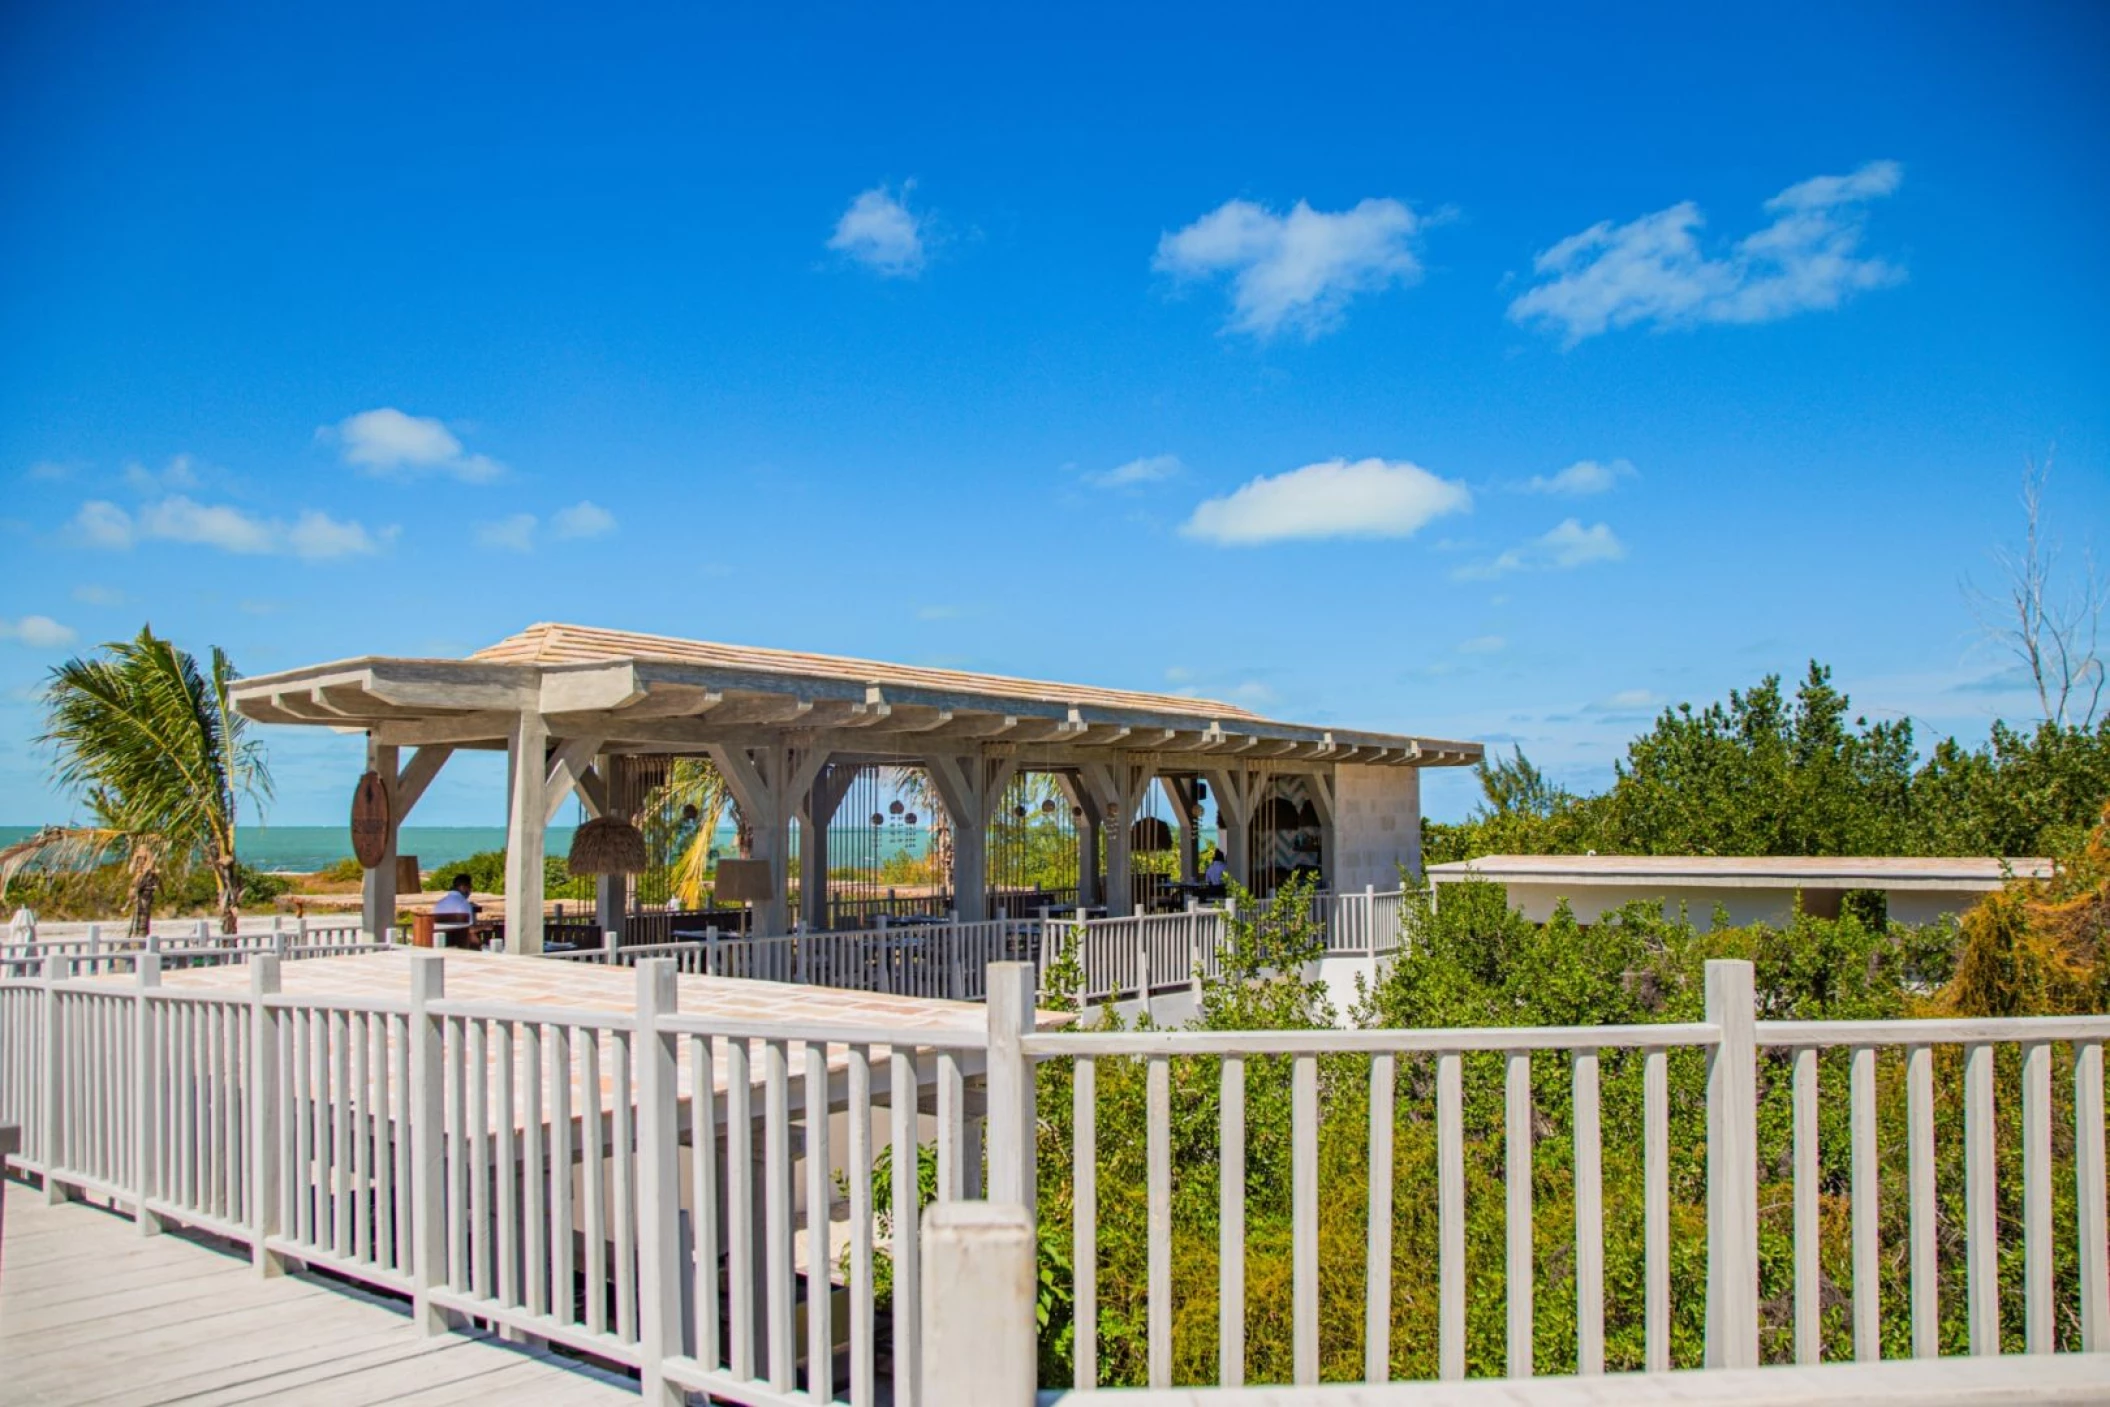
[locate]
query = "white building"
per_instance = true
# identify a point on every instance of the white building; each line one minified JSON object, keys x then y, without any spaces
{"x":1749,"y":889}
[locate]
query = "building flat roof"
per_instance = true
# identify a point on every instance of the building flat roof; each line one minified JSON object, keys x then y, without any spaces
{"x":1900,"y":872}
{"x":655,"y":693}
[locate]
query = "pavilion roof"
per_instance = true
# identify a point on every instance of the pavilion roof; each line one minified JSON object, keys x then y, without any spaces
{"x":631,"y":692}
{"x":550,"y":643}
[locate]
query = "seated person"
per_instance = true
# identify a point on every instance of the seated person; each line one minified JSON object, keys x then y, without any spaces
{"x":454,"y":914}
{"x":1213,"y":877}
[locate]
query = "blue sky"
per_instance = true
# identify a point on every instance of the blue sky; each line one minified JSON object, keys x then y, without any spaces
{"x":1490,"y":372}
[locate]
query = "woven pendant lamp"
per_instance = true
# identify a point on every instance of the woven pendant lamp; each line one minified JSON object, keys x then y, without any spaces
{"x":607,"y":845}
{"x":1149,"y":836}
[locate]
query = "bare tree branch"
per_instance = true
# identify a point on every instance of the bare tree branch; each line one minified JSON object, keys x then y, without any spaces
{"x":2053,"y":630}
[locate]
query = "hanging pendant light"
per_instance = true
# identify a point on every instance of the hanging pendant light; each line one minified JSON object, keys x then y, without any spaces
{"x":1047,"y":808}
{"x":1019,"y":811}
{"x":608,"y":845}
{"x":877,"y":819}
{"x":909,"y":819}
{"x":896,"y":807}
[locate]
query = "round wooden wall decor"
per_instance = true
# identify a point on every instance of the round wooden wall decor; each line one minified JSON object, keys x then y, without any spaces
{"x":370,"y":820}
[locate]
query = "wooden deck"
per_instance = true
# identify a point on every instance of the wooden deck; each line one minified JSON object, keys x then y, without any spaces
{"x":90,"y":1311}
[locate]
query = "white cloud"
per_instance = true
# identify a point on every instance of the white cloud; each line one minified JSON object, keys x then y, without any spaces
{"x":181,"y":472}
{"x":1482,"y":645}
{"x":513,"y":534}
{"x":1568,"y":545}
{"x":49,"y":471}
{"x":882,"y":233}
{"x":38,"y":632}
{"x":1627,"y":698}
{"x":1581,"y":479}
{"x":388,"y":442}
{"x":1653,"y":271}
{"x":1368,"y":498}
{"x":1154,"y":469}
{"x":101,"y":523}
{"x":583,"y":519}
{"x":314,"y":536}
{"x":92,"y":594}
{"x":1299,"y":270}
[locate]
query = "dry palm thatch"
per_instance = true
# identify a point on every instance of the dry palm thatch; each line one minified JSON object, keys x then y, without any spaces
{"x":608,"y":845}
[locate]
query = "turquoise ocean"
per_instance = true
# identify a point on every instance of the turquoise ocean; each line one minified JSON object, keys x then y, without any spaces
{"x":305,"y":849}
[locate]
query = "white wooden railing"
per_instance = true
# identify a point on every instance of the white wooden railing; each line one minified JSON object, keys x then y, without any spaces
{"x":1115,"y":959}
{"x":521,"y":1166}
{"x":517,"y":1166}
{"x":1731,"y":1040}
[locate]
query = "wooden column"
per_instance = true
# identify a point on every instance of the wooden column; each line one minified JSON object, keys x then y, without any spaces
{"x":1124,"y":784}
{"x":768,"y":782}
{"x":1237,"y":789}
{"x":611,"y":892}
{"x":1322,"y":799}
{"x":527,"y":823}
{"x":377,"y":888}
{"x":1180,"y":792}
{"x":1080,"y":796}
{"x":970,"y":785}
{"x":816,"y":813}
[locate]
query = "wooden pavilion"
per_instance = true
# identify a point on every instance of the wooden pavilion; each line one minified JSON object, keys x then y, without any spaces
{"x":596,"y":714}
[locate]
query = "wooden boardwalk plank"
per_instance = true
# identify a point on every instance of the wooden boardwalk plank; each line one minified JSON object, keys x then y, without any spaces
{"x":92,"y":1312}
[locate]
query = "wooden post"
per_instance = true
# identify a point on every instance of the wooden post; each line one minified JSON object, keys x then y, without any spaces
{"x":377,"y":887}
{"x":146,"y":1075}
{"x":659,"y":1182}
{"x":426,"y":1107}
{"x":1012,"y":1121}
{"x":264,"y":1115}
{"x":527,"y":825}
{"x":1732,"y":1168}
{"x":978,"y":1287}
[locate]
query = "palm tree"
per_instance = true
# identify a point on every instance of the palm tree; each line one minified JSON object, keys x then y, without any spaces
{"x":692,"y":782}
{"x":162,"y":759}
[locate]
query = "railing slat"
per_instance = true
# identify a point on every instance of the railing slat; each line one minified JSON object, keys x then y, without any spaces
{"x":1655,"y":1122}
{"x":1809,"y":1323}
{"x":1084,"y":1229}
{"x":1304,"y":1218}
{"x":1450,"y":1198}
{"x":1867,"y":1248}
{"x":1981,"y":1210}
{"x":534,"y":1171}
{"x":740,"y":1209}
{"x":593,"y":1146}
{"x":2036,"y":1198}
{"x":703,"y":1202}
{"x":776,"y":1203}
{"x":905,"y":1248}
{"x":1377,"y":1258}
{"x":820,"y":1320}
{"x":1516,"y":1174}
{"x":1924,"y":1216}
{"x":1589,"y":1219}
{"x":2090,"y":1219}
{"x":1158,"y":1140}
{"x":1230,"y":1246}
{"x":857,"y":1166}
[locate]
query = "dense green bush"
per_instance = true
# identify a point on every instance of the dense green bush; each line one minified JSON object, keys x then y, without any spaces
{"x":487,"y":875}
{"x":1767,"y":774}
{"x":1474,"y":963}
